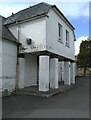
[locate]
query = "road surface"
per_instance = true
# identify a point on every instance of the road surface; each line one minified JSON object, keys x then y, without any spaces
{"x":73,"y":103}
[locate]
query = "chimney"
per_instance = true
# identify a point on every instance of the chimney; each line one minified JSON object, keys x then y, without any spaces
{"x":12,"y":14}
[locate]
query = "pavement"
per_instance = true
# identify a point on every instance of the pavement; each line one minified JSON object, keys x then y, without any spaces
{"x":73,"y":103}
{"x":33,"y":90}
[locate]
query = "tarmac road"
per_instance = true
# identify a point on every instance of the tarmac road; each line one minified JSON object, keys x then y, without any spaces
{"x":73,"y":103}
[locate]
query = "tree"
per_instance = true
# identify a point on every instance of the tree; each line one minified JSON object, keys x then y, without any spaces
{"x":84,"y":56}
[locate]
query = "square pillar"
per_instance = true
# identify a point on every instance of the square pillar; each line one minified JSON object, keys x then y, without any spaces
{"x":62,"y":71}
{"x":53,"y":73}
{"x":72,"y":71}
{"x":21,"y":72}
{"x":67,"y":78}
{"x":59,"y":71}
{"x":76,"y":69}
{"x":43,"y":73}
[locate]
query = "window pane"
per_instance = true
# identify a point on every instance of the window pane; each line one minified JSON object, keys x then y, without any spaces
{"x":60,"y":30}
{"x":67,"y":36}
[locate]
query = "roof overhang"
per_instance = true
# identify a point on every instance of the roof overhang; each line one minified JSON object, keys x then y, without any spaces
{"x":14,"y":42}
{"x":28,"y":19}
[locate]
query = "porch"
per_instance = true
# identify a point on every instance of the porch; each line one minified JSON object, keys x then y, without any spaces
{"x":34,"y":90}
{"x":45,"y":72}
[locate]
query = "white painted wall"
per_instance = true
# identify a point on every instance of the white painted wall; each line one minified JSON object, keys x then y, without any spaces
{"x":36,"y":30}
{"x":61,"y":71}
{"x":21,"y":72}
{"x":9,"y":60}
{"x":52,"y":37}
{"x":30,"y":70}
{"x":44,"y":34}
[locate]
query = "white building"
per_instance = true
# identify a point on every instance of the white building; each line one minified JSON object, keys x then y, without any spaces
{"x":46,"y":54}
{"x":8,"y":58}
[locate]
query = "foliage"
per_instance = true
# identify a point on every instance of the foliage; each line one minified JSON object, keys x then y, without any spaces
{"x":84,"y":56}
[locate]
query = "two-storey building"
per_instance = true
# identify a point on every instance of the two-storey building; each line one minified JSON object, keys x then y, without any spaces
{"x":46,"y":54}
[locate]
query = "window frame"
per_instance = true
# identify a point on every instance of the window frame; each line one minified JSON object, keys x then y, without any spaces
{"x":67,"y":38}
{"x":60,"y":33}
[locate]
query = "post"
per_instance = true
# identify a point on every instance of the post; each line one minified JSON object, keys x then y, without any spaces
{"x":67,"y":78}
{"x":54,"y":73}
{"x":43,"y":73}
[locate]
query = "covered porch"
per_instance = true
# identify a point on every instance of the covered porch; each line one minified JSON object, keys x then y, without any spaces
{"x":45,"y":71}
{"x":34,"y":90}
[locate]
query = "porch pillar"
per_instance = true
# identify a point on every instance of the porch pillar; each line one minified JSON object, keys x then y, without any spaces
{"x":76,"y":69}
{"x":72,"y":72}
{"x":43,"y":73}
{"x":59,"y":71}
{"x":54,"y":73}
{"x":62,"y":71}
{"x":21,"y":61}
{"x":67,"y":79}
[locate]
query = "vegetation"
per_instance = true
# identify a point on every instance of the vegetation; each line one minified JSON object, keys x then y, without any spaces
{"x":84,"y":56}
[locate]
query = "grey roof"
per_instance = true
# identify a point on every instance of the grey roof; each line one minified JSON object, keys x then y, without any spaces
{"x":6,"y":34}
{"x":32,"y":11}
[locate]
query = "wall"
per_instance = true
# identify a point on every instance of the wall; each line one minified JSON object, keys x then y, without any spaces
{"x":52,"y":37}
{"x":61,"y":71}
{"x":44,"y":35}
{"x":30,"y":70}
{"x":9,"y":59}
{"x":36,"y":30}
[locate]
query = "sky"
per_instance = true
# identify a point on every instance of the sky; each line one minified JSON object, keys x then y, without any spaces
{"x":76,"y":11}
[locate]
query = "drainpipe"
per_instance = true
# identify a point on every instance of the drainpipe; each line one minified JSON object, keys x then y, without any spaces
{"x":17,"y":64}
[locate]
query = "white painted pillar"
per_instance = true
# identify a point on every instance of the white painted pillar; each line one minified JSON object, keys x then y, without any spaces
{"x":53,"y":73}
{"x":72,"y":72}
{"x":43,"y":73}
{"x":21,"y":72}
{"x":62,"y":71}
{"x":67,"y":79}
{"x":59,"y":71}
{"x":76,"y":69}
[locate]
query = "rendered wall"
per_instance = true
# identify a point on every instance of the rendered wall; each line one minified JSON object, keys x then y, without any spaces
{"x":36,"y":30}
{"x":9,"y":60}
{"x":53,"y":45}
{"x":30,"y":70}
{"x":44,"y":35}
{"x":21,"y":72}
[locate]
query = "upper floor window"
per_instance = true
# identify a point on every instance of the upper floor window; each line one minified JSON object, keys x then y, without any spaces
{"x":60,"y":32}
{"x":67,"y":37}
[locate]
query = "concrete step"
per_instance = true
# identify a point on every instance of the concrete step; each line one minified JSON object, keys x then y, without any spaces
{"x":51,"y":92}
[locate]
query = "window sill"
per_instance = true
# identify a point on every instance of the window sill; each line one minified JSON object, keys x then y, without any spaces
{"x":59,"y":40}
{"x":67,"y":45}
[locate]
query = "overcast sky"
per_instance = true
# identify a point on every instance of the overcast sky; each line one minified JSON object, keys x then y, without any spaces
{"x":76,"y":12}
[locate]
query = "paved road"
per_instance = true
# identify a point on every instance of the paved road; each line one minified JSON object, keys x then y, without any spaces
{"x":70,"y":104}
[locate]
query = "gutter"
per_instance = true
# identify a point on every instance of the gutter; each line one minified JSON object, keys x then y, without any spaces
{"x":16,"y":42}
